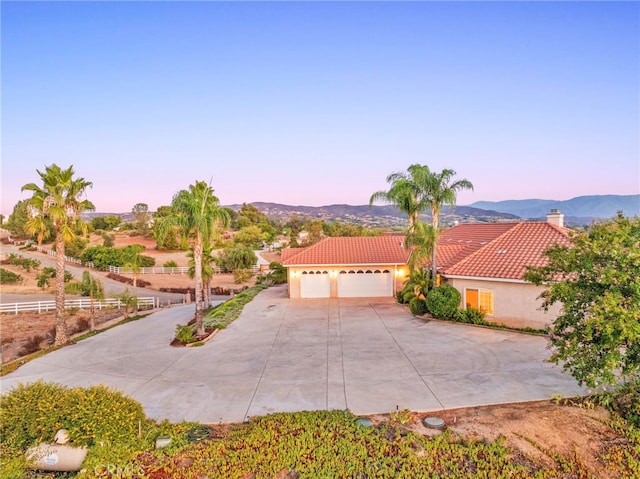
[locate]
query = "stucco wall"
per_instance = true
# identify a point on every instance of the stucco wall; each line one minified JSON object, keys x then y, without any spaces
{"x":400,"y":275}
{"x":515,"y":304}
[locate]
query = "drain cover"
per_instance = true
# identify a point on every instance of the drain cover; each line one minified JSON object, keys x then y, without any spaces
{"x":433,"y":422}
{"x":363,"y":421}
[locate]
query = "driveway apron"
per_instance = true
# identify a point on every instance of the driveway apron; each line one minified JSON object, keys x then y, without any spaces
{"x":366,"y":355}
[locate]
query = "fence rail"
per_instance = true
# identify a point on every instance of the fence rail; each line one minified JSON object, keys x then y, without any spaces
{"x":168,"y":270}
{"x":67,"y":259}
{"x":43,"y":306}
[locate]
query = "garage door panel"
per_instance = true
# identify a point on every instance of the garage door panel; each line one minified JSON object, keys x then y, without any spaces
{"x":314,"y":285}
{"x":365,"y":284}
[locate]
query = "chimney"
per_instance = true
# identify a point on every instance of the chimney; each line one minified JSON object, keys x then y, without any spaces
{"x":556,"y":218}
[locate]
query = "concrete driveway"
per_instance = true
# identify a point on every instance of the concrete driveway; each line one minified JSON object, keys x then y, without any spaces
{"x":368,"y":356}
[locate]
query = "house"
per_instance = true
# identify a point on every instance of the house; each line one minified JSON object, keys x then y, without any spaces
{"x":344,"y":267}
{"x":485,"y":262}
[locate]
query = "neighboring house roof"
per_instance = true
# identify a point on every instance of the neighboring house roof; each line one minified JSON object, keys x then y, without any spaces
{"x":501,"y":250}
{"x":355,"y":250}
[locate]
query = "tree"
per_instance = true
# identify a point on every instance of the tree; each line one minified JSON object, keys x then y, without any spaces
{"x":597,"y":280}
{"x":171,"y":239}
{"x":198,"y":215}
{"x":19,"y":217}
{"x":58,"y":201}
{"x":421,"y":239}
{"x":141,"y":214}
{"x":441,"y":190}
{"x":250,"y":236}
{"x":419,"y":189}
{"x":93,"y":288}
{"x":407,"y":192}
{"x":237,"y":257}
{"x":105,"y":223}
{"x":208,"y":263}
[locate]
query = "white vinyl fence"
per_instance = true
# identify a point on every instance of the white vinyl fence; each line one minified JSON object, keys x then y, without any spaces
{"x":163,"y":270}
{"x":43,"y":306}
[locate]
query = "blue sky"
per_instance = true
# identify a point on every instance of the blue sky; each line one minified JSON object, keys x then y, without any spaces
{"x":316,"y":103}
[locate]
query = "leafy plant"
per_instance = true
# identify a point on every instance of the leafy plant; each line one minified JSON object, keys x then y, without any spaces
{"x":185,"y":333}
{"x":595,"y":278}
{"x":470,"y":315}
{"x":417,"y":306}
{"x":9,"y":277}
{"x":443,"y":301}
{"x":170,"y":264}
{"x":242,"y":275}
{"x":26,"y":263}
{"x":225,"y":313}
{"x":237,"y":257}
{"x":277,"y":273}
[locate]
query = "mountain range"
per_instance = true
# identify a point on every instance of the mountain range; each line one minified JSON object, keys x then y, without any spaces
{"x":578,"y":211}
{"x":582,"y":209}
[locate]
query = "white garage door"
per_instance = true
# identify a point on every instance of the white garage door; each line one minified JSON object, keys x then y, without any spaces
{"x":365,"y":283}
{"x":314,"y":284}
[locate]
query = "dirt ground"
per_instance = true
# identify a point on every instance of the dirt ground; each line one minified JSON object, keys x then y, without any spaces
{"x":536,"y":430}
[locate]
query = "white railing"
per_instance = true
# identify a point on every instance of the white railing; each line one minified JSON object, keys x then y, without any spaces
{"x":43,"y":306}
{"x":67,"y":259}
{"x":167,"y":270}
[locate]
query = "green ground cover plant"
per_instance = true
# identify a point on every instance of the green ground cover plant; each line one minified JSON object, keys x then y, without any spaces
{"x":225,"y":313}
{"x":113,"y":426}
{"x":311,"y":444}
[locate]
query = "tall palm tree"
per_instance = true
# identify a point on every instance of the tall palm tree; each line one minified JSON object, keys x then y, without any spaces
{"x":208,"y":270}
{"x":198,"y":215}
{"x":405,"y":192}
{"x":442,"y":191}
{"x":418,"y":190}
{"x":58,"y":202}
{"x":421,"y":238}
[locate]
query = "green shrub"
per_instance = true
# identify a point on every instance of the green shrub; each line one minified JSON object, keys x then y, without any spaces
{"x":73,"y":287}
{"x":417,"y":306}
{"x":443,"y":301}
{"x":242,"y":275}
{"x":170,"y":264}
{"x":185,"y":333}
{"x":626,"y":402}
{"x":227,"y":312}
{"x":26,"y":263}
{"x":277,"y":273}
{"x":33,"y":413}
{"x":9,"y":277}
{"x":470,"y":315}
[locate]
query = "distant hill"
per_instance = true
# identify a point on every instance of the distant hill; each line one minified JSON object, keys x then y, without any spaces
{"x":583,"y":208}
{"x":377,"y":215}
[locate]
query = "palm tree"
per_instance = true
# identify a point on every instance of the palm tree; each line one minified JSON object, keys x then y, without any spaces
{"x":405,"y":192}
{"x":421,"y":238}
{"x":418,"y":190}
{"x":442,"y":191}
{"x":208,"y":263}
{"x":198,"y":215}
{"x":58,"y":202}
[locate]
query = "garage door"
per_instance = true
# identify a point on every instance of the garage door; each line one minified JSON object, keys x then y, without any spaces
{"x":314,"y":284}
{"x":365,"y":283}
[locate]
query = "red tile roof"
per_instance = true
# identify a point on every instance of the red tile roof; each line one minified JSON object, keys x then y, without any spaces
{"x":495,"y":250}
{"x":460,"y":241}
{"x":349,"y":250}
{"x":499,"y":251}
